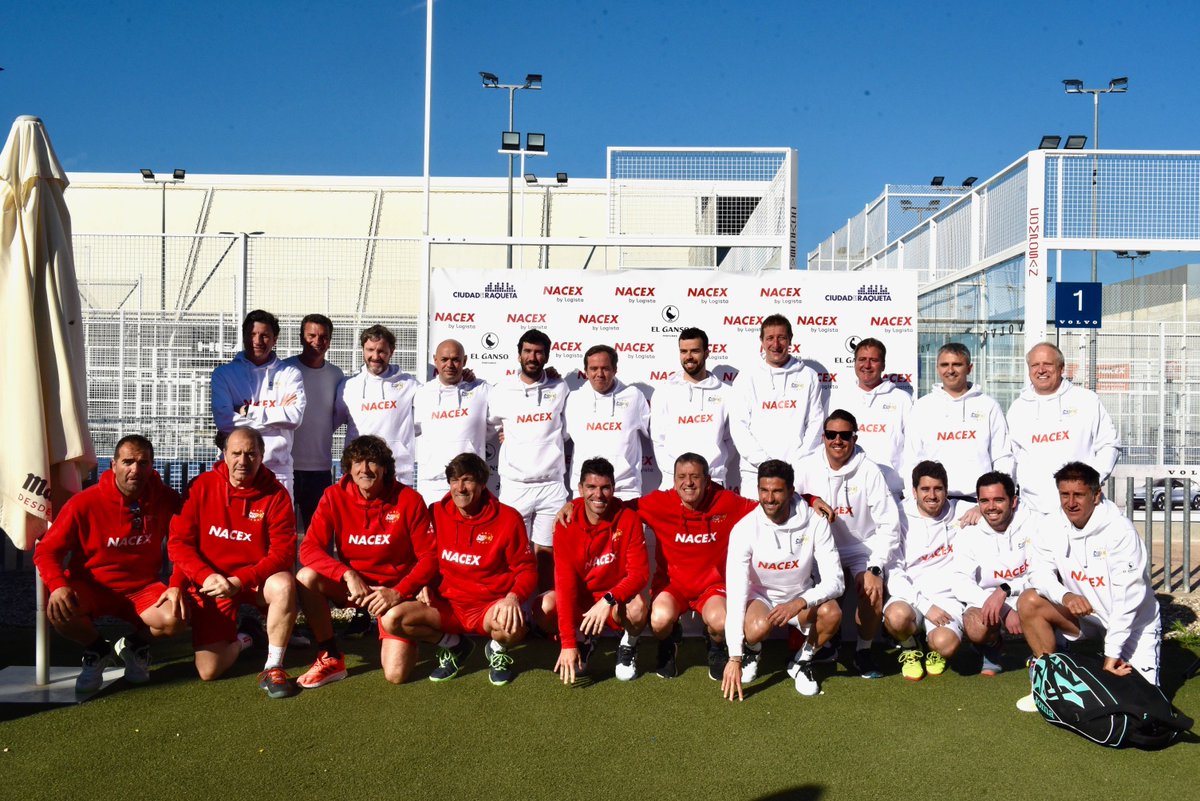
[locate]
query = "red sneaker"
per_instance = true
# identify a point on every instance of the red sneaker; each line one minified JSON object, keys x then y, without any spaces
{"x":326,"y":670}
{"x":276,"y":683}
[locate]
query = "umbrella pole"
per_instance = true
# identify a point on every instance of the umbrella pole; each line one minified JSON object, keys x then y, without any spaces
{"x":42,"y":645}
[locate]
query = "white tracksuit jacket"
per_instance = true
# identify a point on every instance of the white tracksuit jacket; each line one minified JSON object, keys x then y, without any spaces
{"x":966,"y":434}
{"x":777,"y":562}
{"x":985,"y":558}
{"x":1105,"y":562}
{"x":265,"y":386}
{"x":868,"y":522}
{"x":882,"y":414}
{"x":381,"y":405}
{"x":923,"y":571}
{"x":610,"y":425}
{"x":450,"y":419}
{"x":777,"y":413}
{"x":1050,"y":430}
{"x":532,"y":416}
{"x":692,"y":417}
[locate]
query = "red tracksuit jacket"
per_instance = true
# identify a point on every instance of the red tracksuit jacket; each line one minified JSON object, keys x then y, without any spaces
{"x":483,"y":558}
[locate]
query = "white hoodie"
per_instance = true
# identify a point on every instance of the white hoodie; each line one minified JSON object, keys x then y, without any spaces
{"x":1050,"y":430}
{"x":534,"y":429}
{"x":265,"y":387}
{"x":692,"y":417}
{"x":1105,"y":562}
{"x":882,"y":414}
{"x":381,"y":405}
{"x":610,"y":425}
{"x":985,"y":558}
{"x":868,"y":523}
{"x":966,"y":434}
{"x":450,"y":419}
{"x":777,"y":413}
{"x":923,"y":571}
{"x":777,"y":563}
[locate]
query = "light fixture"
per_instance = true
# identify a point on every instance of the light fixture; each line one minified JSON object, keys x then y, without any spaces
{"x":531,"y":179}
{"x":532,"y":78}
{"x":560,"y":177}
{"x":147,"y":175}
{"x":489,"y":79}
{"x":969,"y":182}
{"x":1118,"y":84}
{"x":1050,"y":142}
{"x":1073,"y":85}
{"x":510,"y":140}
{"x":1075,"y":142}
{"x":179,"y":174}
{"x":535,"y":142}
{"x":905,"y":204}
{"x":938,"y":180}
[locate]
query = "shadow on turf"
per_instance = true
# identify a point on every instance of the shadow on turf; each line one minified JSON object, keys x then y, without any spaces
{"x":804,"y":792}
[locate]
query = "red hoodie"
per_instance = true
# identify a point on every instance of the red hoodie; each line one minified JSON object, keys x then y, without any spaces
{"x":485,"y":557}
{"x":96,"y":528}
{"x":245,"y":532}
{"x":607,"y":557}
{"x":690,"y":546}
{"x":388,"y":541}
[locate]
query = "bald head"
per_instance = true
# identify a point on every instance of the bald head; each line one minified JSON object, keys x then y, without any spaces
{"x":448,"y":360}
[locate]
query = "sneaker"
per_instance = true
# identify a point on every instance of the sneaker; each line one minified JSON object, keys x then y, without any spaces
{"x":137,"y":661}
{"x":910,"y":664}
{"x":626,"y":669}
{"x":668,"y":653}
{"x":252,"y":628}
{"x":1026,"y":703}
{"x":500,"y":664}
{"x":718,"y":656}
{"x":301,"y":637}
{"x":750,"y":665}
{"x":360,"y":624}
{"x":277,"y":683}
{"x":806,"y":682}
{"x":586,"y":648}
{"x":91,"y":674}
{"x":864,"y":664}
{"x":451,"y":660}
{"x":326,"y":670}
{"x":827,"y":652}
{"x":935,"y":663}
{"x":992,"y":655}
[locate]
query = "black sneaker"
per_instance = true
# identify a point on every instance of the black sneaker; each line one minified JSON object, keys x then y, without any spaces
{"x":276,"y":683}
{"x":451,"y":660}
{"x":360,"y":624}
{"x":668,"y":652}
{"x":827,"y":652}
{"x":500,"y":665}
{"x":626,"y":669}
{"x":252,"y":628}
{"x":718,"y":656}
{"x":750,"y":665}
{"x":864,"y":664}
{"x":586,"y":648}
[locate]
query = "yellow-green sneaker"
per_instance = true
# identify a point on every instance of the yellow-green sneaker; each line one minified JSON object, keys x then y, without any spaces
{"x":910,"y":664}
{"x":935,"y":663}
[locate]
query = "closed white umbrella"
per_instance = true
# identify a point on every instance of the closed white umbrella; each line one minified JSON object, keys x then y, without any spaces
{"x":47,"y":450}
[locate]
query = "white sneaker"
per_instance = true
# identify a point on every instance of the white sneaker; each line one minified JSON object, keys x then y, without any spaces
{"x":91,"y":674}
{"x":137,"y":661}
{"x":626,"y":669}
{"x":1026,"y":703}
{"x":749,"y":665}
{"x":806,"y":683}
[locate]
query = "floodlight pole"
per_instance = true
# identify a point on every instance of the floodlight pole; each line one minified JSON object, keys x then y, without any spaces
{"x":176,"y":178}
{"x":512,"y":88}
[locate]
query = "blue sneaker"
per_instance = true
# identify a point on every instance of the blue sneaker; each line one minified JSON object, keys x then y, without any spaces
{"x":451,"y":660}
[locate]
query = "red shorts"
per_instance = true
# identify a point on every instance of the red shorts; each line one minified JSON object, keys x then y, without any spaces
{"x":461,"y":618}
{"x":342,"y":599}
{"x":95,"y":599}
{"x":215,"y":619}
{"x":694,"y":602}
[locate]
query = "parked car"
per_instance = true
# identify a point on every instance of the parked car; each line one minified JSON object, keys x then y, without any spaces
{"x":1158,"y":497}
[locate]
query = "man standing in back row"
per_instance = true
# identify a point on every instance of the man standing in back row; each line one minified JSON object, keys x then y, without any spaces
{"x":451,"y":418}
{"x":312,"y":447}
{"x":607,"y":418}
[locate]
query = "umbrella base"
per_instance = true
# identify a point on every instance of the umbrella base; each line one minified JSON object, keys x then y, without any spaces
{"x":18,"y":685}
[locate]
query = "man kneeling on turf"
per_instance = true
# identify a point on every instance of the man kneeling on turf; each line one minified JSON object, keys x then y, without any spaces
{"x":600,"y":571}
{"x":922,"y":577}
{"x":487,"y":573}
{"x":110,"y":538}
{"x":773,"y":553}
{"x":381,"y":531}
{"x":235,"y":540}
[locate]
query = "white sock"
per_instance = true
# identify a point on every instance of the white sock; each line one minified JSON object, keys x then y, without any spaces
{"x":863,"y":645}
{"x":274,"y":656}
{"x":244,"y":641}
{"x":495,"y":647}
{"x":756,"y":647}
{"x":629,"y":639}
{"x":911,"y":642}
{"x":448,"y":641}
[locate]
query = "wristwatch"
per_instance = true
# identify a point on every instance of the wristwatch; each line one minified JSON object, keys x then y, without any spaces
{"x":1007,"y":589}
{"x":609,"y":599}
{"x":875,"y":570}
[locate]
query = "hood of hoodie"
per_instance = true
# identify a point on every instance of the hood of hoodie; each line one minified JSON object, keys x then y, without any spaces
{"x":798,"y":519}
{"x":269,"y":367}
{"x":451,"y":395}
{"x":945,"y":399}
{"x":264,"y":484}
{"x":876,"y":392}
{"x":697,"y":390}
{"x":1040,"y":402}
{"x":606,"y":401}
{"x":465,"y":527}
{"x":1105,"y":513}
{"x":835,"y":480}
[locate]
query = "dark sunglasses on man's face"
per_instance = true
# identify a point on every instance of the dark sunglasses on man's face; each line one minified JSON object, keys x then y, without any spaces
{"x":136,"y":510}
{"x":844,"y":436}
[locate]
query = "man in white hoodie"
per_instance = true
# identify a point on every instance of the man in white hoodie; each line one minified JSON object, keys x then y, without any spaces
{"x":607,"y":418}
{"x":773,"y":554}
{"x":881,"y":409}
{"x":777,"y":406}
{"x":690,"y":413}
{"x":1053,"y":422}
{"x":379,"y":401}
{"x":921,"y":578}
{"x":866,"y":527}
{"x":256,"y":389}
{"x":450,"y":414}
{"x":958,"y":425}
{"x":1088,"y":577}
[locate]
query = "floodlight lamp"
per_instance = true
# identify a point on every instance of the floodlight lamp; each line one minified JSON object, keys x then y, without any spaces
{"x":489,"y":80}
{"x":905,"y":204}
{"x":179,"y":174}
{"x":1143,"y":253}
{"x":934,"y":204}
{"x":1073,"y":85}
{"x":535,"y":142}
{"x":560,"y":177}
{"x":531,"y":179}
{"x":1075,"y":142}
{"x":969,"y":182}
{"x":938,"y":180}
{"x":532,"y":78}
{"x":1118,"y":84}
{"x":510,"y":140}
{"x":147,"y":175}
{"x":1050,"y":143}
{"x":1121,"y":254}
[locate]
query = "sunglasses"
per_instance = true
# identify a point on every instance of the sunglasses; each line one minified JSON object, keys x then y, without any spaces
{"x":844,"y":436}
{"x":136,"y":511}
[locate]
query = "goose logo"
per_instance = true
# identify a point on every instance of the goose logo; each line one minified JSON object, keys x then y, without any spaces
{"x":489,"y":341}
{"x":852,"y":343}
{"x":670,"y":313}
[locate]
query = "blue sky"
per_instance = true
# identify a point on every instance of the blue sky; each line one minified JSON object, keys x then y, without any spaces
{"x":868,"y":93}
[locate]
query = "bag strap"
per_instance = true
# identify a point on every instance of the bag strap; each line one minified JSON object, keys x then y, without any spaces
{"x":1181,"y":723}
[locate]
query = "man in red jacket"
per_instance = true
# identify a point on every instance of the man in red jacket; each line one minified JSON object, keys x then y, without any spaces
{"x":488,"y":572}
{"x":235,"y":541}
{"x":382,"y":535}
{"x":600,"y":573}
{"x":110,"y":537}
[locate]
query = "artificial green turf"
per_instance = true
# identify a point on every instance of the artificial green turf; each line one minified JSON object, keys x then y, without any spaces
{"x":952,"y":737}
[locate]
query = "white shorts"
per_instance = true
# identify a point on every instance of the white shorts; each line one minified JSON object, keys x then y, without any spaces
{"x":1142,"y":650}
{"x":949,"y":605}
{"x":757,"y":595}
{"x":433,"y":490}
{"x":538,"y":504}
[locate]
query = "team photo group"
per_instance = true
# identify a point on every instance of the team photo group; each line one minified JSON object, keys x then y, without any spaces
{"x":841,"y":519}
